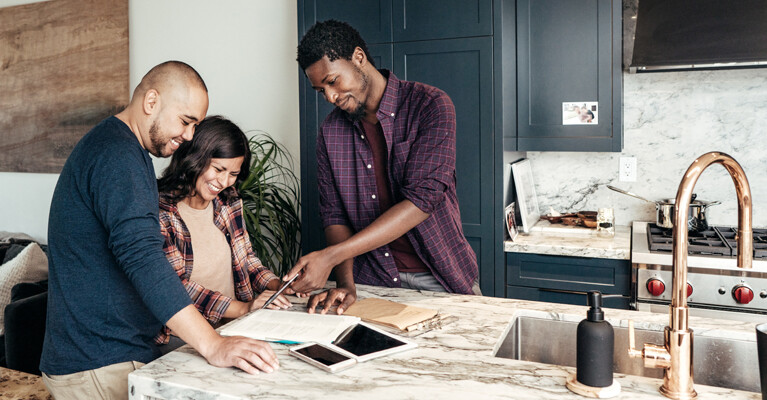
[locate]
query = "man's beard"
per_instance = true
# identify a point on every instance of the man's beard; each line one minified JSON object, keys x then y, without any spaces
{"x":155,"y":141}
{"x":359,"y":112}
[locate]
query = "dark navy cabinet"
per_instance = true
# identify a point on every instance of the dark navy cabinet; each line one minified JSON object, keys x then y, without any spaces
{"x":372,"y":18}
{"x":568,"y":51}
{"x":555,"y":279}
{"x":463,"y":69}
{"x":444,"y":19}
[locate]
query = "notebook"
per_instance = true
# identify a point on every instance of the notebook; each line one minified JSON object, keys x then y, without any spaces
{"x":389,"y":313}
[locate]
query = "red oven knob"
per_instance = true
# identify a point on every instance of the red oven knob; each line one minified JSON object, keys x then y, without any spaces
{"x":689,"y":289}
{"x":742,"y":294}
{"x":656,"y":287}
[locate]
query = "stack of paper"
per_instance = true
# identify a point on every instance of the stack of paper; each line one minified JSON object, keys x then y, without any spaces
{"x":389,"y":313}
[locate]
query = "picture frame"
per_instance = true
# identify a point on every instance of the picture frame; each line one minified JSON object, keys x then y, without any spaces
{"x":525,"y":190}
{"x":580,"y":113}
{"x":509,"y":217}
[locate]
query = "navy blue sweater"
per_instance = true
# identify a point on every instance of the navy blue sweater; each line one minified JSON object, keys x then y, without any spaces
{"x":110,"y":287}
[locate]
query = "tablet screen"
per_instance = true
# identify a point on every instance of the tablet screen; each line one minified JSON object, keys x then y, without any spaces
{"x":322,"y":354}
{"x":362,"y":340}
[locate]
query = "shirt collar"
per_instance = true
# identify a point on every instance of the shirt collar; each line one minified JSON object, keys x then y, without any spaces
{"x":166,"y":204}
{"x":390,"y":100}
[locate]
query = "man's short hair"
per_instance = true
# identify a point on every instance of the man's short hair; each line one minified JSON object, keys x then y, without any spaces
{"x":161,"y":74}
{"x":331,"y":38}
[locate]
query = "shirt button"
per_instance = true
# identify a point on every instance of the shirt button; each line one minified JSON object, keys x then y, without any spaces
{"x":386,"y":254}
{"x":370,"y":166}
{"x":362,"y":137}
{"x":373,"y":196}
{"x":395,"y":279}
{"x":392,"y":114}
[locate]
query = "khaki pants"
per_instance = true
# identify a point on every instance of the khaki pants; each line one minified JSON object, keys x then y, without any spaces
{"x":427,"y":281}
{"x":109,"y":383}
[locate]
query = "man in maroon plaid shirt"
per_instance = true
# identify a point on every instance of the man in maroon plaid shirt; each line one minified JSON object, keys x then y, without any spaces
{"x":386,"y":174}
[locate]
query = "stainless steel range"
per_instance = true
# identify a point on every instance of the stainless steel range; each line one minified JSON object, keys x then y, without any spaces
{"x":716,"y":287}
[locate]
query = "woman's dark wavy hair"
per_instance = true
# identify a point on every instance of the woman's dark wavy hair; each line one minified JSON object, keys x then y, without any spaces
{"x":215,"y":137}
{"x":331,"y":38}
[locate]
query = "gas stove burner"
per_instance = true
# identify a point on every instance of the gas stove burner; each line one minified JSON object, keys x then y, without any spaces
{"x":716,"y":240}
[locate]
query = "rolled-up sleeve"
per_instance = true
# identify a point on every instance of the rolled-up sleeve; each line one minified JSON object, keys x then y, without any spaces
{"x":431,"y":162}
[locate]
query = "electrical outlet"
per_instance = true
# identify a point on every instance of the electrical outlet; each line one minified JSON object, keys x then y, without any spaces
{"x":628,"y":169}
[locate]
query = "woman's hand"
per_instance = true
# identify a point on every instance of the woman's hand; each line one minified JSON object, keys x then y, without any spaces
{"x":280,"y":302}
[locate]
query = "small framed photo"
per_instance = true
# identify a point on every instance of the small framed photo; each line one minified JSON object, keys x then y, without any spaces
{"x":580,"y":113}
{"x":525,"y":189}
{"x":510,"y":220}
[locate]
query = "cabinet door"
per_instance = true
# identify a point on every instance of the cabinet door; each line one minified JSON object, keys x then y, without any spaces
{"x":463,"y":69}
{"x":568,"y":51}
{"x":560,"y":273}
{"x":372,"y":18}
{"x":444,"y":19}
{"x":314,"y":108}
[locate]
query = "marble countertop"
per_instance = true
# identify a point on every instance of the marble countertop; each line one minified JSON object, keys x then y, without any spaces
{"x":454,"y":362}
{"x":561,"y":240}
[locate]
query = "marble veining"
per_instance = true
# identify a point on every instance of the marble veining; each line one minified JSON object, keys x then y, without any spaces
{"x":454,"y":362}
{"x":670,"y":118}
{"x":575,"y":245}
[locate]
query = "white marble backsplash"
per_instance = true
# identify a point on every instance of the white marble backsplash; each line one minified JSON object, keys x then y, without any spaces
{"x":670,"y":118}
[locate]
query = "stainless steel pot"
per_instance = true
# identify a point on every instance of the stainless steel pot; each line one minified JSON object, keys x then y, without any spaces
{"x":664,"y":211}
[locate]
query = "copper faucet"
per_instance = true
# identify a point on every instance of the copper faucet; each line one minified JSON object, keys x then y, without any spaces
{"x":675,"y":356}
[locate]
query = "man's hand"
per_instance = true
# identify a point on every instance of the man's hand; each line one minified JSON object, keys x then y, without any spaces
{"x":316,"y":268}
{"x":249,"y":355}
{"x":280,"y":302}
{"x":344,"y":296}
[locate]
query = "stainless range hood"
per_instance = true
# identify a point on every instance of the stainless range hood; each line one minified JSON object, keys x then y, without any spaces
{"x":686,"y":34}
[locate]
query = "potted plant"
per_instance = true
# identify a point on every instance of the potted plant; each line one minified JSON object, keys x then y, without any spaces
{"x":271,"y":201}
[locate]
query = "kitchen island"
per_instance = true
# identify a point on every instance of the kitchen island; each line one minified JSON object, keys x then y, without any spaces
{"x":454,"y":362}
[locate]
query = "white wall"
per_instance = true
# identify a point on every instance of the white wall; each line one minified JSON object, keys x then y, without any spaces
{"x":245,"y":51}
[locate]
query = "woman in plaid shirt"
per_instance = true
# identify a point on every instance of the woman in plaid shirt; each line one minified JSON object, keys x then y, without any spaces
{"x":200,"y":210}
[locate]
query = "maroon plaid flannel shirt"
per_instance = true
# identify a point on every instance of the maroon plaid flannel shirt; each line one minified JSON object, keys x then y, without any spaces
{"x":250,"y":276}
{"x":419,"y":126}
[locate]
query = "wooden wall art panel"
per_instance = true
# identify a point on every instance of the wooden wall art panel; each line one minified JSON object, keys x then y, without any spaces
{"x":63,"y":68}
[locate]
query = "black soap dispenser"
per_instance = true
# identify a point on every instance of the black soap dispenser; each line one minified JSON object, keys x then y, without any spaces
{"x":595,"y":346}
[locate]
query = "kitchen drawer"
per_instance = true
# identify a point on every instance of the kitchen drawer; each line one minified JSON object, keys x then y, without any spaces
{"x":538,"y":294}
{"x":609,"y":276}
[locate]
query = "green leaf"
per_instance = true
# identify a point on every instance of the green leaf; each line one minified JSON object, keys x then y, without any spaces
{"x":271,"y":198}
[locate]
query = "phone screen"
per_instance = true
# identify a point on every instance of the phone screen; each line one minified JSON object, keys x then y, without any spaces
{"x":362,"y":340}
{"x":322,"y":354}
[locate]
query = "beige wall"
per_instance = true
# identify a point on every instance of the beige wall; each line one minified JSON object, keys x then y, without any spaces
{"x":244,"y":49}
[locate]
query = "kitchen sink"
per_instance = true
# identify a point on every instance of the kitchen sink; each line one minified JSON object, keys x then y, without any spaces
{"x":727,"y":363}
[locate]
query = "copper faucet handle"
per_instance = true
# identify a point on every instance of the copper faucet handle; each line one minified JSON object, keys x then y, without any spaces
{"x":654,"y":356}
{"x":633,"y":352}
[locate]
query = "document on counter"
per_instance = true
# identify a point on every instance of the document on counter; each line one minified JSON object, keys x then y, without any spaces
{"x":389,"y":313}
{"x":290,"y":326}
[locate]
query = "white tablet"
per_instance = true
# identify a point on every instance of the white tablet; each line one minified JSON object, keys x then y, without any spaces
{"x":365,"y":342}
